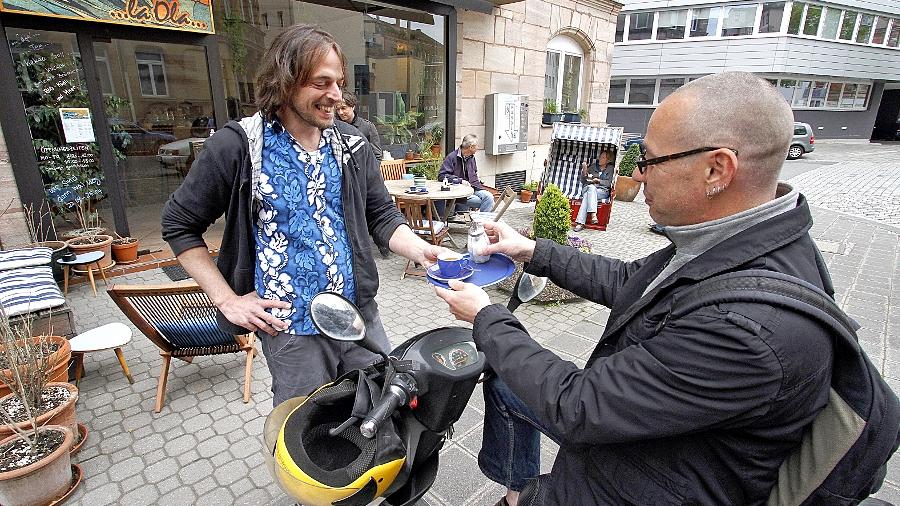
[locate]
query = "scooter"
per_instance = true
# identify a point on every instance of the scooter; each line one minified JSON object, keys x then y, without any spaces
{"x":429,"y":378}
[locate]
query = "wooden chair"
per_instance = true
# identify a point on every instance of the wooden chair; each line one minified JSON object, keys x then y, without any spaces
{"x":502,"y":204}
{"x":181,"y":320}
{"x":420,"y":216}
{"x":392,"y":169}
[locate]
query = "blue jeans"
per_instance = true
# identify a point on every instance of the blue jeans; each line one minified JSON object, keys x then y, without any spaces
{"x":482,"y":199}
{"x":589,"y":196}
{"x":511,"y":445}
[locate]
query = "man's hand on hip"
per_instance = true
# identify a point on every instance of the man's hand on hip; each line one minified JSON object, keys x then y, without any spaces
{"x":249,"y":311}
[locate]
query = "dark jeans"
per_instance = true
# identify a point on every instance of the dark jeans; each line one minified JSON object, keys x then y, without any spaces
{"x":300,"y":364}
{"x":511,"y":448}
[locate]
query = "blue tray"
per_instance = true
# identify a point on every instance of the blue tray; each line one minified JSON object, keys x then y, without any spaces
{"x":495,"y":270}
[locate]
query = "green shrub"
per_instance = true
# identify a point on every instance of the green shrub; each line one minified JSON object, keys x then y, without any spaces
{"x":629,"y":160}
{"x":550,"y":106}
{"x":552,"y":216}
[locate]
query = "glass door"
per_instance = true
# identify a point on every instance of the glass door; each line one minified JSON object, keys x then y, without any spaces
{"x":50,"y":79}
{"x":159,"y":105}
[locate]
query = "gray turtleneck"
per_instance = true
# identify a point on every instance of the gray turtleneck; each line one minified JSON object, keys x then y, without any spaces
{"x":692,"y":241}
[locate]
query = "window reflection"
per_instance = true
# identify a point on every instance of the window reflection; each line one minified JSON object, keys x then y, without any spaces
{"x":395,"y":56}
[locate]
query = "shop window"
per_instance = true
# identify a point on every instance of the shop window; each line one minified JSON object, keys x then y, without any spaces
{"x":796,"y":17}
{"x":786,"y":87}
{"x":848,"y":97}
{"x":817,"y":95}
{"x":864,"y":32}
{"x":862,"y":94}
{"x":813,"y":17}
{"x":893,"y":39}
{"x":770,"y":20}
{"x":847,"y":25}
{"x":667,"y":86}
{"x":641,"y":27}
{"x":705,"y":22}
{"x":738,"y":20}
{"x":671,"y":25}
{"x":641,"y":91}
{"x":617,"y":91}
{"x":562,"y":78}
{"x":880,"y":30}
{"x":620,"y":27}
{"x":831,"y":23}
{"x":834,"y":94}
{"x":801,"y":94}
{"x":152,"y":73}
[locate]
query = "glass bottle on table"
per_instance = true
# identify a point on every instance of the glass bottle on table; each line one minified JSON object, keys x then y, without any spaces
{"x":478,"y":240}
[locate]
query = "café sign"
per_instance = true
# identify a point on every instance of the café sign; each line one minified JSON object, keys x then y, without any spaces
{"x":185,"y":15}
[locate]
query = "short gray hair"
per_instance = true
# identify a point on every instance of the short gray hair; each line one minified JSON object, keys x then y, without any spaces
{"x":741,"y":111}
{"x":468,"y":141}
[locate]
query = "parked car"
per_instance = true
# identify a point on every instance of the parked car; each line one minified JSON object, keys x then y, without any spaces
{"x":132,"y":139}
{"x":629,"y":139}
{"x":803,"y":142}
{"x":178,"y":153}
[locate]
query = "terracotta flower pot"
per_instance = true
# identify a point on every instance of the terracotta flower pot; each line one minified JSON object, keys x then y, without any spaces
{"x":125,"y":252}
{"x":626,"y":188}
{"x":43,"y":481}
{"x":525,"y":196}
{"x":59,"y":363}
{"x":87,"y":243}
{"x":63,"y":414}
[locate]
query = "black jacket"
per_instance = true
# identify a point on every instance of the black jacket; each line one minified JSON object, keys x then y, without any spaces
{"x":220,"y":182}
{"x":701,"y":410}
{"x":369,"y":131}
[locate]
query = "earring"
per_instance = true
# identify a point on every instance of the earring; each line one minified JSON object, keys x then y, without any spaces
{"x":712,"y":192}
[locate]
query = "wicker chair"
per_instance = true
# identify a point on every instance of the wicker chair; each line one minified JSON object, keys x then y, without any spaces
{"x":180,"y":319}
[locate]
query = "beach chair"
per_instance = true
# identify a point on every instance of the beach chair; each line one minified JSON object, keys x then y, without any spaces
{"x":180,"y":319}
{"x":571,"y":144}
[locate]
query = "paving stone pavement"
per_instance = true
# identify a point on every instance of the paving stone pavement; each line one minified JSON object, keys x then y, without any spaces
{"x":204,"y":447}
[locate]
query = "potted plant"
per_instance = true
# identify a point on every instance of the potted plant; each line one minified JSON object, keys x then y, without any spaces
{"x":551,"y":221}
{"x":398,"y":131}
{"x":125,"y":249}
{"x":527,"y":192}
{"x":91,"y":236}
{"x":626,"y":187}
{"x":551,"y":113}
{"x":571,"y":117}
{"x":35,"y":466}
{"x":437,"y":136}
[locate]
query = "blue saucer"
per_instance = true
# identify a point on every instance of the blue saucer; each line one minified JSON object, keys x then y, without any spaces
{"x":435,"y":272}
{"x":495,"y":270}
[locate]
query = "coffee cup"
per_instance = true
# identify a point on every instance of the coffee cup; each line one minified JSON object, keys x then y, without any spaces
{"x":453,"y":264}
{"x":456,"y":180}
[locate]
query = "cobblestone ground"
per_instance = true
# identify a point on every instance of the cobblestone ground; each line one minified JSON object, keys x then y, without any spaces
{"x":204,"y":447}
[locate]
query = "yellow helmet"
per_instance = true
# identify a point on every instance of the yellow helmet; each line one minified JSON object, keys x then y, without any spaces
{"x":318,"y":469}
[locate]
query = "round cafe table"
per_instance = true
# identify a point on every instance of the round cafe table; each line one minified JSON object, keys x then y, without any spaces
{"x":398,"y":188}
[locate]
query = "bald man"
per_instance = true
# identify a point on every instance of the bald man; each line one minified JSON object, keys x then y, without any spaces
{"x":699,"y":410}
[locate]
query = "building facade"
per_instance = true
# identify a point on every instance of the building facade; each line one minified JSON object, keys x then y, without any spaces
{"x":836,"y":63}
{"x":104,"y":106}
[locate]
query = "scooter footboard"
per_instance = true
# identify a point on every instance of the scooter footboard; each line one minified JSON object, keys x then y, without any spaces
{"x":417,"y":485}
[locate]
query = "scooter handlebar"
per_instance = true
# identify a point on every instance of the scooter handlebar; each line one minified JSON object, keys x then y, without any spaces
{"x":399,"y":392}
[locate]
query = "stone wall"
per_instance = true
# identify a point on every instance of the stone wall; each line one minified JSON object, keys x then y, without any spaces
{"x":505,"y":52}
{"x":13,"y":231}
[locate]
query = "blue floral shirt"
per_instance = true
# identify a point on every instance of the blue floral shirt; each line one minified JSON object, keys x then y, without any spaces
{"x":302,"y":246}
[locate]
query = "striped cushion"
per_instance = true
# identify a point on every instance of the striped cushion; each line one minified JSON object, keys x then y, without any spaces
{"x":24,"y":258}
{"x":29,"y":289}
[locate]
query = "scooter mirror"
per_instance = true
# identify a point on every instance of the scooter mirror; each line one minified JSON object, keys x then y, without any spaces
{"x":336,"y":317}
{"x":530,"y":286}
{"x":527,"y":287}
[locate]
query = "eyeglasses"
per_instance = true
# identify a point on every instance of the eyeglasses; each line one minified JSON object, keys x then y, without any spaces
{"x":643,"y":162}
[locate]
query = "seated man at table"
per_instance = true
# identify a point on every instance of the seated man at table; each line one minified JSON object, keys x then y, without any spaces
{"x":596,"y":181}
{"x":460,"y":163}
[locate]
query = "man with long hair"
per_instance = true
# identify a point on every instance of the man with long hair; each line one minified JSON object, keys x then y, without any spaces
{"x":300,"y":194}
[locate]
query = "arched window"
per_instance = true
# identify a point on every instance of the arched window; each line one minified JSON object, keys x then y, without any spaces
{"x":562,"y":78}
